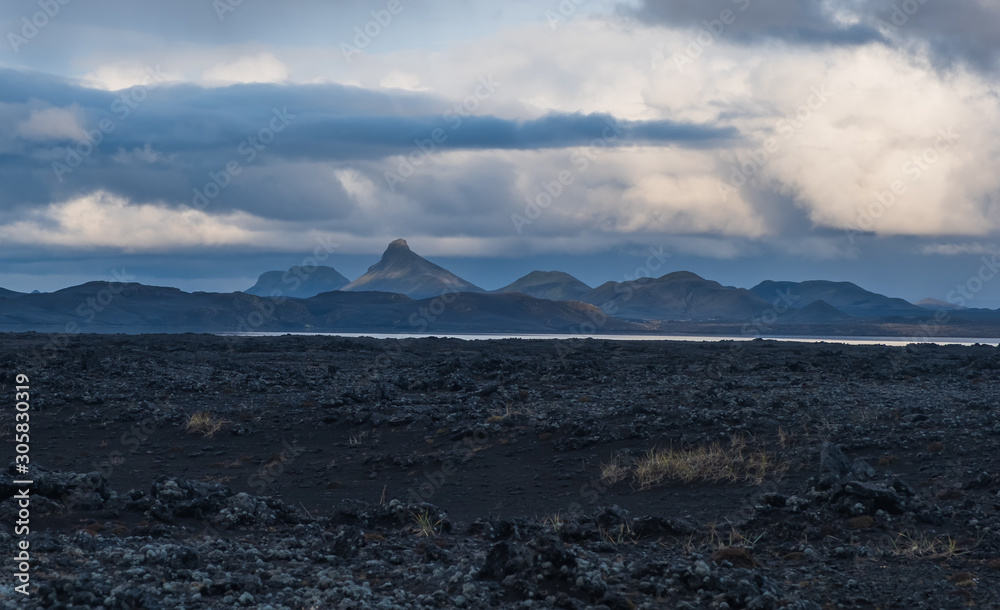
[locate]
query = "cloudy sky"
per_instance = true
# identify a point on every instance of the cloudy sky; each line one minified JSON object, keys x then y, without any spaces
{"x":198,"y":143}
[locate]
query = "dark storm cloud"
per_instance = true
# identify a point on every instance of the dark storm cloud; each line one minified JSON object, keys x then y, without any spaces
{"x":158,"y":143}
{"x":800,"y":21}
{"x":955,"y":32}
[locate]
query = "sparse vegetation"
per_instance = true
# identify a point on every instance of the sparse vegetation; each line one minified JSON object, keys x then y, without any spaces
{"x":425,"y":524}
{"x":622,"y":535}
{"x":507,"y":413}
{"x":713,"y":463}
{"x":204,"y":423}
{"x":926,"y":546}
{"x":613,"y":471}
{"x":554,"y":521}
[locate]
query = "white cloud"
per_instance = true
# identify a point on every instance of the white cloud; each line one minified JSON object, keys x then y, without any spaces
{"x":121,"y":75}
{"x":102,"y":220}
{"x":885,"y":107}
{"x":402,"y":80}
{"x":260,"y":68}
{"x":53,"y":124}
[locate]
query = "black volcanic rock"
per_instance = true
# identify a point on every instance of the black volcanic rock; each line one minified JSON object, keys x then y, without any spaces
{"x":298,"y":282}
{"x":681,"y":295}
{"x":552,"y":285}
{"x":847,"y":297}
{"x":404,"y":272}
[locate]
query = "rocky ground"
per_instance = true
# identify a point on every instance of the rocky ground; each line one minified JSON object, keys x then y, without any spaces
{"x":192,"y":471}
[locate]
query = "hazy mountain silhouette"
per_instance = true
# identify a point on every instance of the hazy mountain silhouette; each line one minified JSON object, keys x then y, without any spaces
{"x":817,"y":312}
{"x":461,"y":312}
{"x":552,"y":285}
{"x":681,"y":295}
{"x":10,"y":294}
{"x":298,"y":282}
{"x":847,"y":297}
{"x":404,"y":272}
{"x":102,"y":307}
{"x":405,"y":293}
{"x":937,"y":305}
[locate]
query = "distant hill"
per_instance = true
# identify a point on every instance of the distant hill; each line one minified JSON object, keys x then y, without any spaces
{"x":10,"y":294}
{"x":139,"y":308}
{"x":936,"y":305}
{"x":406,"y":293}
{"x":817,"y":312}
{"x":681,"y":295}
{"x":298,"y":282}
{"x":552,"y":285}
{"x":91,"y":307}
{"x":463,"y":312}
{"x":404,"y":272}
{"x":844,"y":296}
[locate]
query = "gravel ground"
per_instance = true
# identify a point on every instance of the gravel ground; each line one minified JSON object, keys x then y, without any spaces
{"x":431,"y":473}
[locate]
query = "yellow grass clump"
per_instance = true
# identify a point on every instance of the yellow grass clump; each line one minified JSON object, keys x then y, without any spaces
{"x":712,"y":463}
{"x":204,"y":423}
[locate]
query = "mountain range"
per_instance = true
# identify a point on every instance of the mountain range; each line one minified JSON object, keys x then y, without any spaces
{"x":403,"y":292}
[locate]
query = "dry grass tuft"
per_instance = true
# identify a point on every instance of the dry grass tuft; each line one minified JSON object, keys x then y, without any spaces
{"x":925,"y":546}
{"x":734,"y":464}
{"x":613,"y":471}
{"x":425,"y":524}
{"x":204,"y":423}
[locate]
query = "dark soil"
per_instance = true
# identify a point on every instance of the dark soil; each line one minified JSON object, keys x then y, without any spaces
{"x":432,"y":473}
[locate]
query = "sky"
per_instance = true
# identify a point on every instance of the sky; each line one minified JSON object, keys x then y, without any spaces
{"x":199,"y":143}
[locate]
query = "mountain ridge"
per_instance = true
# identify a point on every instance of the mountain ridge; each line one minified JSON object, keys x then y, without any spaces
{"x":551,"y":285}
{"x":403,"y":271}
{"x":403,"y":292}
{"x":298,"y":282}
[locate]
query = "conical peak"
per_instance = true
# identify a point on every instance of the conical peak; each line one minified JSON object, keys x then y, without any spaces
{"x":398,"y":252}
